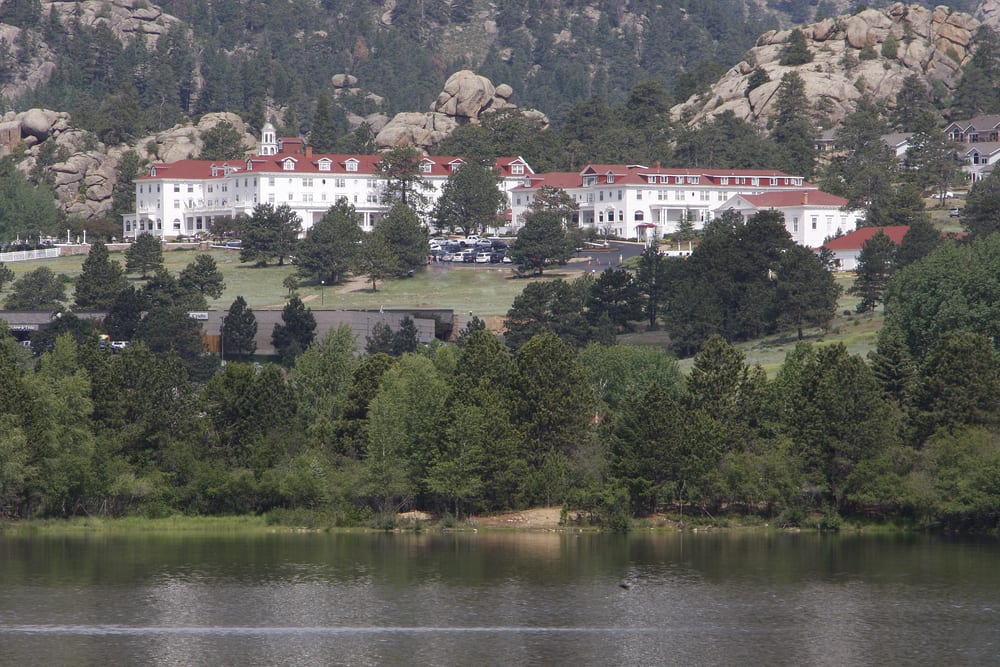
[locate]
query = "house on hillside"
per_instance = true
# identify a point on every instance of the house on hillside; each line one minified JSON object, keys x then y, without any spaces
{"x":811,"y":216}
{"x":633,"y":201}
{"x":183,"y":198}
{"x":980,"y":139}
{"x":847,"y":248}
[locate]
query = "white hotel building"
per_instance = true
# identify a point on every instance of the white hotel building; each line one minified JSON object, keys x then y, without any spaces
{"x":627,"y":201}
{"x":183,"y":198}
{"x":634,"y":201}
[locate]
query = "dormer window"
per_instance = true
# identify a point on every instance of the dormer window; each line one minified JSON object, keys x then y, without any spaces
{"x":324,"y":164}
{"x":589,"y":181}
{"x":664,"y":179}
{"x":288,"y":164}
{"x":517,"y":169}
{"x":152,"y":171}
{"x":249,"y":165}
{"x":724,"y":181}
{"x":351,"y":165}
{"x":693,"y":180}
{"x":611,"y":178}
{"x":425,"y":167}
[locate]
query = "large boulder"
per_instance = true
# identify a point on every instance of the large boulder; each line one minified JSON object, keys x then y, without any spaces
{"x":465,"y":95}
{"x":38,"y":123}
{"x":465,"y":98}
{"x":932,"y":44}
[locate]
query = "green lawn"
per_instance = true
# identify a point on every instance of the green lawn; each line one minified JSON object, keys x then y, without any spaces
{"x":484,"y":290}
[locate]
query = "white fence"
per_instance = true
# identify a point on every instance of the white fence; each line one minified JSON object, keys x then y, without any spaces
{"x":25,"y":255}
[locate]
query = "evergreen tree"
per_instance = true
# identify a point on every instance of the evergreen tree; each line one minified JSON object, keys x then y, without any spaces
{"x":124,"y":314}
{"x":405,"y":238}
{"x":981,"y":215}
{"x":892,"y":365}
{"x":239,"y":331}
{"x":400,"y":172}
{"x":651,"y":278}
{"x":294,"y":336}
{"x":325,"y":131}
{"x":222,"y":142}
{"x":921,"y":240}
{"x":377,"y":259}
{"x":269,"y":233}
{"x":202,"y":275}
{"x":40,"y":289}
{"x":865,"y":173}
{"x":145,"y":254}
{"x":796,"y":51}
{"x":794,"y":131}
{"x":805,"y":291}
{"x":331,"y":249}
{"x":931,"y":157}
{"x":123,"y":193}
{"x":100,"y":281}
{"x":875,"y":265}
{"x":471,"y":198}
{"x":541,"y":241}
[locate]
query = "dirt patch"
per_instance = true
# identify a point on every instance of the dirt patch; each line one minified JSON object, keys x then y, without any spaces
{"x":542,"y":517}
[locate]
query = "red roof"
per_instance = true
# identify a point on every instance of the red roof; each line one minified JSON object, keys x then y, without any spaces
{"x":787,"y":198}
{"x":553,"y":179}
{"x":308,"y":163}
{"x":859,"y":237}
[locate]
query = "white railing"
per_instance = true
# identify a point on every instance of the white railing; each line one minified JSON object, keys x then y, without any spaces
{"x":25,"y":255}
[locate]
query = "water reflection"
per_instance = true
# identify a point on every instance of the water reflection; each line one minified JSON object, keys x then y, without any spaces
{"x":498,"y":598}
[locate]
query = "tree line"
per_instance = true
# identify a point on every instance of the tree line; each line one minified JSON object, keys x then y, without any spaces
{"x":907,"y":435}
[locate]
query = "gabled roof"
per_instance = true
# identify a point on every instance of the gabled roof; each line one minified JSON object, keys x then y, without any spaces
{"x":978,"y":123}
{"x":981,"y":147}
{"x":896,"y":139}
{"x":854,"y":240}
{"x":553,"y":179}
{"x":789,"y":198}
{"x":306,"y":163}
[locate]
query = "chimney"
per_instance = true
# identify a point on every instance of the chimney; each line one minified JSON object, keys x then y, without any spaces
{"x":805,"y":197}
{"x":309,"y":151}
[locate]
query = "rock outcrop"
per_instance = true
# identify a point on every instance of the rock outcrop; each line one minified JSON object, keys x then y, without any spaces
{"x":84,"y":172}
{"x":988,"y":13}
{"x":465,"y":98}
{"x":850,"y":59}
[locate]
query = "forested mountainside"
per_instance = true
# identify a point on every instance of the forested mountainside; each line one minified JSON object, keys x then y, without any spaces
{"x":129,"y":79}
{"x":163,"y":63}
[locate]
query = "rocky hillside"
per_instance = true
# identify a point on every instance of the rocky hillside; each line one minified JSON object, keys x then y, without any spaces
{"x":869,"y":53}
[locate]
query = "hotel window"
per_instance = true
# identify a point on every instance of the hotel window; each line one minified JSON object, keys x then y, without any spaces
{"x":177,"y":203}
{"x":600,"y":196}
{"x":270,"y":180}
{"x":177,"y":187}
{"x":680,"y":195}
{"x":425,"y":167}
{"x":619,"y":195}
{"x":190,"y":187}
{"x":829,"y":222}
{"x":638,"y":195}
{"x":774,"y":181}
{"x":814,"y":221}
{"x":795,"y":224}
{"x":611,"y":178}
{"x":307,"y":182}
{"x":351,"y":166}
{"x":517,"y":168}
{"x":339,"y":183}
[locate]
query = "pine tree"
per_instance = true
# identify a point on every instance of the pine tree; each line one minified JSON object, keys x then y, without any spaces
{"x":239,"y":331}
{"x":875,"y":265}
{"x":294,"y":336}
{"x":796,"y":52}
{"x":794,"y":131}
{"x":144,"y":255}
{"x":100,"y":281}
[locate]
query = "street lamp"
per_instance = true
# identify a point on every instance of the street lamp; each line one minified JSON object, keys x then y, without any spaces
{"x":222,"y":340}
{"x":322,"y":292}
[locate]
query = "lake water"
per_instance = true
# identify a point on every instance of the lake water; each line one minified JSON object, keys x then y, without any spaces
{"x":499,"y":599}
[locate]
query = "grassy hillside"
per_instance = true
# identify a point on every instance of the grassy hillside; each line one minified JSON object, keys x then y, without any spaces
{"x":484,"y":290}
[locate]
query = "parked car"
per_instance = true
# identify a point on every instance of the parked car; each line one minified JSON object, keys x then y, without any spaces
{"x":955,"y":212}
{"x":469,"y":256}
{"x":484,"y":257}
